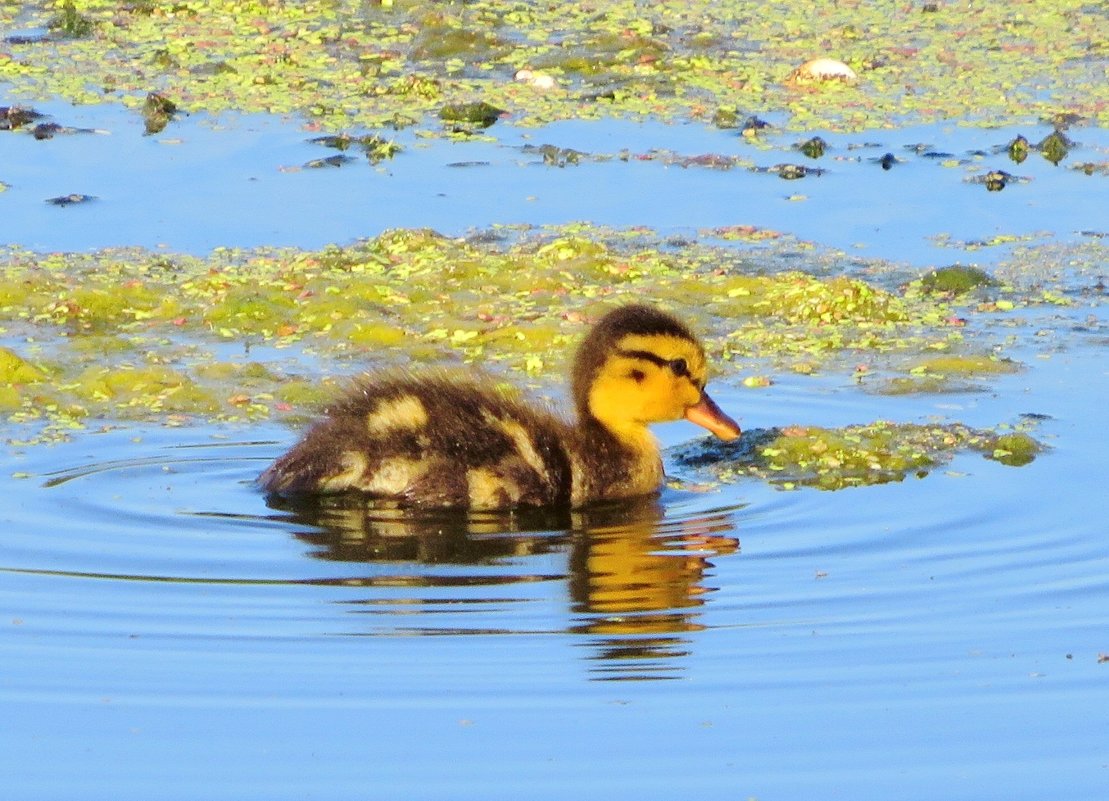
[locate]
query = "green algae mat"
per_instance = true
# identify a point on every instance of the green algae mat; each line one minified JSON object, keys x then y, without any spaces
{"x":447,"y":66}
{"x":97,"y":340}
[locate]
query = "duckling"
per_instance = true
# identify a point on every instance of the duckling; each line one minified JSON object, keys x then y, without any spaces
{"x":435,"y":441}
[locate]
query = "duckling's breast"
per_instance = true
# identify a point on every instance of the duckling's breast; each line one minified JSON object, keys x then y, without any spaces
{"x":431,"y":443}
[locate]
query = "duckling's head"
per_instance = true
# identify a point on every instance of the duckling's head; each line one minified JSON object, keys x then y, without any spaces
{"x":640,"y":365}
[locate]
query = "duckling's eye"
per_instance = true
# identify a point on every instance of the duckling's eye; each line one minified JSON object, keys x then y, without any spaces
{"x":679,"y":367}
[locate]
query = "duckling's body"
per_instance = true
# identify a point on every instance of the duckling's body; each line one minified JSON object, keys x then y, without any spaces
{"x":435,"y":441}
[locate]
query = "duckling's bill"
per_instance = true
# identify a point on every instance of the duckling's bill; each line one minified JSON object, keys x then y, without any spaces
{"x":708,"y":415}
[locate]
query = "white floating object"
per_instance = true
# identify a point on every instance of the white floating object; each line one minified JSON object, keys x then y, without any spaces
{"x":540,"y":80}
{"x":823,"y":69}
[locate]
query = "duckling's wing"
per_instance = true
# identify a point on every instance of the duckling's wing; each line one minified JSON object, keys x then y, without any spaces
{"x":431,"y":442}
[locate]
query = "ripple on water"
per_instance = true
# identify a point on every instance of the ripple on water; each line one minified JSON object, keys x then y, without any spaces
{"x":146,"y":569}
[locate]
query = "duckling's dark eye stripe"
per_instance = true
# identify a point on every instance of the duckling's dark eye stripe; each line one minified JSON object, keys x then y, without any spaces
{"x":678,"y":366}
{"x":645,"y":355}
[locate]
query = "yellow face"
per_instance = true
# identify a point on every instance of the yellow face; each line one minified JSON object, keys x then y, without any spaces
{"x":647,"y":379}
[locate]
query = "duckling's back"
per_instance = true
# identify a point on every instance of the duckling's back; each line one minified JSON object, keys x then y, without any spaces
{"x":431,"y":441}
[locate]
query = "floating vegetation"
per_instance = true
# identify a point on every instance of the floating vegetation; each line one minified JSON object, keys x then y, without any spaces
{"x":947,"y":373}
{"x":996,"y":180}
{"x":853,"y":456}
{"x":14,"y":117}
{"x":956,"y":279}
{"x":347,"y":62}
{"x":791,"y":172}
{"x":510,"y":299}
{"x":1018,"y":149}
{"x":814,"y":148}
{"x":1054,"y":147}
{"x":71,"y":199}
{"x":16,"y":370}
{"x":70,"y":24}
{"x":481,"y":114}
{"x":376,"y":148}
{"x":554,"y":156}
{"x":328,"y":161}
{"x":822,"y":70}
{"x":157,"y":111}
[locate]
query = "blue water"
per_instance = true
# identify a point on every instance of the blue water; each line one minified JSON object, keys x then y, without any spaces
{"x":167,"y":634}
{"x":171,"y":635}
{"x":239,"y":181}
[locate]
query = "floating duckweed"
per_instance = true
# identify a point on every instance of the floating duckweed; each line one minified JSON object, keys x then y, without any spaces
{"x":924,"y":384}
{"x":372,"y":335}
{"x":513,"y":298}
{"x":10,"y":398}
{"x":351,"y":62}
{"x":144,"y":389}
{"x":99,"y":308}
{"x":968,"y":365}
{"x":304,"y":394}
{"x":249,"y":310}
{"x":832,"y":459}
{"x":805,"y":299}
{"x":15,"y":370}
{"x":444,"y":39}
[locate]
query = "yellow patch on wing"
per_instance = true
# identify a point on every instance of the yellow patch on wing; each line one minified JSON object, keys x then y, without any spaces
{"x":525,"y":447}
{"x":488,"y":490}
{"x":352,"y":468}
{"x":393,"y":476}
{"x":403,"y":413}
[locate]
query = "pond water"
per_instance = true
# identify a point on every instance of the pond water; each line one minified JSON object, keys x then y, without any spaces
{"x":240,"y":181}
{"x":167,"y":634}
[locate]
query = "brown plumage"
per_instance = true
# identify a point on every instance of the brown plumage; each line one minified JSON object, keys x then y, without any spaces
{"x":432,"y":440}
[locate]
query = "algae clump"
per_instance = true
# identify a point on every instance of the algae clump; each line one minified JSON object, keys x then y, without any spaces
{"x":956,"y":279}
{"x":15,"y":370}
{"x":853,"y":456}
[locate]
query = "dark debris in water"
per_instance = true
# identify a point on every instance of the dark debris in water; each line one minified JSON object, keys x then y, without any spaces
{"x":996,"y":180}
{"x":329,"y":161}
{"x":887,"y":161}
{"x":554,"y":156}
{"x":1018,"y":149}
{"x":791,"y":172}
{"x":377,"y":148}
{"x":15,"y":117}
{"x":157,"y":111}
{"x":71,"y":199}
{"x":814,"y":148}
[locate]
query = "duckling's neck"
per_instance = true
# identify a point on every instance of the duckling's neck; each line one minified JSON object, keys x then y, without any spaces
{"x":612,"y":464}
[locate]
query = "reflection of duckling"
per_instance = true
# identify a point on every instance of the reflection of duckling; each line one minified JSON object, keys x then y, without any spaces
{"x":435,"y":441}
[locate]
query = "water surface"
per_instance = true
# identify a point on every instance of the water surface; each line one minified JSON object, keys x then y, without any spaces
{"x":170,"y":634}
{"x":240,"y":181}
